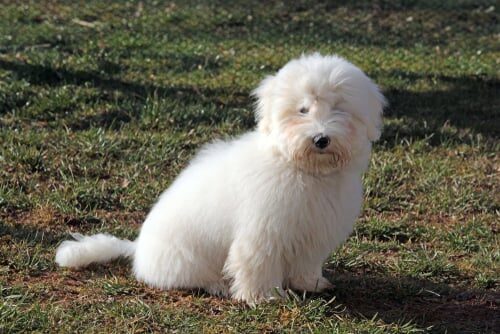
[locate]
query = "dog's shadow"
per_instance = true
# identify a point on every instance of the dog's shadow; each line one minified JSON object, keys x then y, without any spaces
{"x":422,"y":302}
{"x":434,"y":307}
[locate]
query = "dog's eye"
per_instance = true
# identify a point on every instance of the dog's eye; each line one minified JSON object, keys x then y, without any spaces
{"x":304,"y":110}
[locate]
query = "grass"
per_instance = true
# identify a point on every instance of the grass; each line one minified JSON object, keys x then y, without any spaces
{"x":103,"y":103}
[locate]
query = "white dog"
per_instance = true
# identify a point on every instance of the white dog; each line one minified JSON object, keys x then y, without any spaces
{"x":263,"y":211}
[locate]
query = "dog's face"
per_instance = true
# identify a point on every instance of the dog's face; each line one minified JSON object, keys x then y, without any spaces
{"x":320,"y":112}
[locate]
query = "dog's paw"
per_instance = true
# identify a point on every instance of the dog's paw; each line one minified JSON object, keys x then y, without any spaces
{"x":324,"y":284}
{"x":220,"y":288}
{"x":311,"y":284}
{"x":253,"y":298}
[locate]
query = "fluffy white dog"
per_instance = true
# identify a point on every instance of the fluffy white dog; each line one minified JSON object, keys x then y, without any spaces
{"x":263,"y":211}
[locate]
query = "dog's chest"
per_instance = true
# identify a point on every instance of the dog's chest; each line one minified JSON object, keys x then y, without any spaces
{"x":323,"y":210}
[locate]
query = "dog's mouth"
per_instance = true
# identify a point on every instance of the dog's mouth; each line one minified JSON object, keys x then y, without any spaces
{"x":322,"y":152}
{"x":322,"y":161}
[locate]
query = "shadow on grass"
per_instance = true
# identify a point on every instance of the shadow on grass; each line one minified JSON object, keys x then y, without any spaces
{"x":44,"y":75}
{"x":405,"y":5}
{"x":24,"y":228}
{"x":29,"y":234}
{"x":467,"y":103}
{"x":135,"y":94}
{"x":425,"y":303}
{"x":312,"y":23}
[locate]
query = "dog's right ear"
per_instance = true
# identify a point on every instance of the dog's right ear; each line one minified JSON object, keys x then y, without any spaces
{"x":264,"y":95}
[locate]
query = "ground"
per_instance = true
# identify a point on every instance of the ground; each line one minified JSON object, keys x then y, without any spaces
{"x":102,"y":103}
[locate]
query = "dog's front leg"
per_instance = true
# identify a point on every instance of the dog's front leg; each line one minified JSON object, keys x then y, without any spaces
{"x":255,"y":269}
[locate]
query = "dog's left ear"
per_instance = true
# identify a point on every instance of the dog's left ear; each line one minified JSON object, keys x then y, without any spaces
{"x":264,"y":95}
{"x":363,"y":99}
{"x":373,"y":115}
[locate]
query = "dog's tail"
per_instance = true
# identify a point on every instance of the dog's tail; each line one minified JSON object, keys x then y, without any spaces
{"x":98,"y":248}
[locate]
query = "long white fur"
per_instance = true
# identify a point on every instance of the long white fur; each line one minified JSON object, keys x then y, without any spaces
{"x":263,"y":211}
{"x":98,"y":248}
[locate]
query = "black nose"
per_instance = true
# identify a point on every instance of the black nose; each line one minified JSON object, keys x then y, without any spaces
{"x":321,"y":141}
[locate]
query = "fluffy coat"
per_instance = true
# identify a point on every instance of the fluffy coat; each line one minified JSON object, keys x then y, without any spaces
{"x":261,"y":212}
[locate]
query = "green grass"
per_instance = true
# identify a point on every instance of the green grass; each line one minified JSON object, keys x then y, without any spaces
{"x":103,"y":103}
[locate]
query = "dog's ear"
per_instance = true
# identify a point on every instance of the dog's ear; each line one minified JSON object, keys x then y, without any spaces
{"x":264,"y":95}
{"x":373,"y":115}
{"x":362,"y":97}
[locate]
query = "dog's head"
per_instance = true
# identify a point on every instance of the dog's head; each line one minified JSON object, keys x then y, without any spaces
{"x":320,"y":111}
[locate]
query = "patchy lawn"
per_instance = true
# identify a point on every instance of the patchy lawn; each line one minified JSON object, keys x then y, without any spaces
{"x":103,"y":103}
